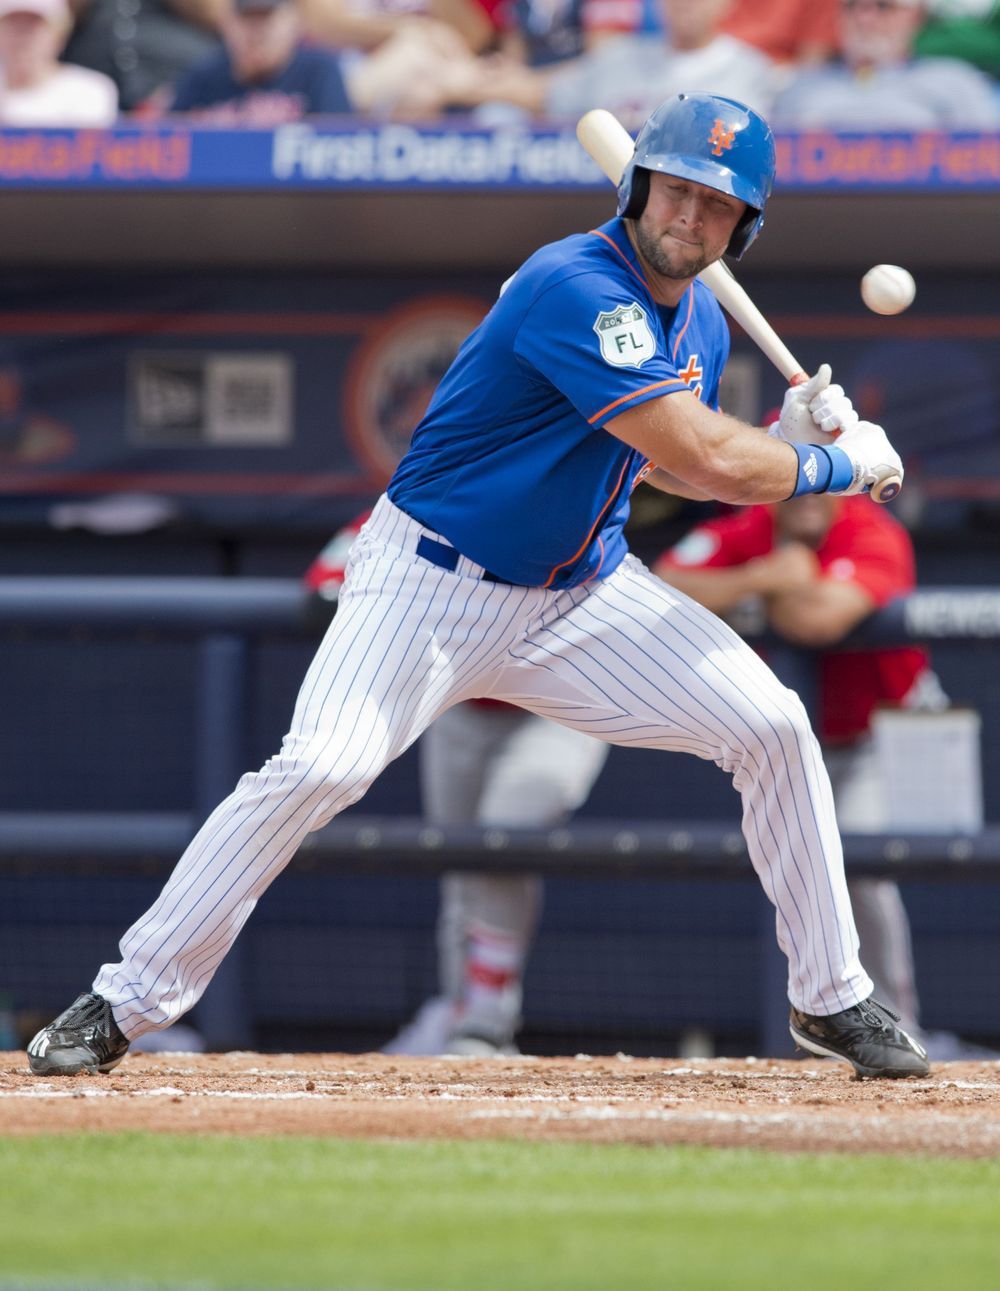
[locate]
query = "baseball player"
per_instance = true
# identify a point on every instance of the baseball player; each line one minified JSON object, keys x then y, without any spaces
{"x":487,"y":763}
{"x":495,"y":566}
{"x":819,"y":565}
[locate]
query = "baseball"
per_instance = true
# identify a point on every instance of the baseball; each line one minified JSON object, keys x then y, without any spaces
{"x":888,"y":289}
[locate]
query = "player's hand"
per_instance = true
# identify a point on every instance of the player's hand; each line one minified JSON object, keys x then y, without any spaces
{"x":795,"y":424}
{"x":815,"y":404}
{"x":871,"y":455}
{"x":832,"y":411}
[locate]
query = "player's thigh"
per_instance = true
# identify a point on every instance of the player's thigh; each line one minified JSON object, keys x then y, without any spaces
{"x":404,"y":646}
{"x":637,"y":663}
{"x":541,"y":773}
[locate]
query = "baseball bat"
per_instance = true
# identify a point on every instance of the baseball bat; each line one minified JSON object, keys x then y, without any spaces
{"x":606,"y":140}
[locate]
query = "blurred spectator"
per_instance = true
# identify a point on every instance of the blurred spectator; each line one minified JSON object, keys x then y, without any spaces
{"x":264,"y":75}
{"x":879,"y":85}
{"x":35,"y":88}
{"x":365,"y":24}
{"x":631,"y":74}
{"x":788,"y":31}
{"x":142,"y":45}
{"x":547,"y":31}
{"x":267,"y":73}
{"x":413,"y":75}
{"x":965,"y":29}
{"x":543,"y":32}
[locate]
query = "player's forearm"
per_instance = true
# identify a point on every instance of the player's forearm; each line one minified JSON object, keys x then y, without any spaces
{"x":667,"y":483}
{"x":718,"y":455}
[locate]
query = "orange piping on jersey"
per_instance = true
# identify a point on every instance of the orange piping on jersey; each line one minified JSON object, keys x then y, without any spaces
{"x":596,"y":525}
{"x":600,"y":563}
{"x":635,"y":395}
{"x":680,"y":334}
{"x":628,"y":263}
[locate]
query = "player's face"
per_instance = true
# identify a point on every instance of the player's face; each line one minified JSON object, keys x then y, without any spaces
{"x":685,"y":226}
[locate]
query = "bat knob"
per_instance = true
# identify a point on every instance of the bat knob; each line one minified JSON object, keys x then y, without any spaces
{"x":886,"y":489}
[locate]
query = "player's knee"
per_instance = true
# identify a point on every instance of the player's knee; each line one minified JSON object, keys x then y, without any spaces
{"x":325,"y":778}
{"x":787,"y":724}
{"x":783,"y":732}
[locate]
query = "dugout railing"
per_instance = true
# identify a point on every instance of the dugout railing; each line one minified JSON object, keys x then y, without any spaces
{"x":224,"y":617}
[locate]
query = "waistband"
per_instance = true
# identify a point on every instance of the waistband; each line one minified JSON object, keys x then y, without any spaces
{"x":394,"y":526}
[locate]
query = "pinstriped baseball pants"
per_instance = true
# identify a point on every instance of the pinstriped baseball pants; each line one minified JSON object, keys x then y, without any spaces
{"x":626,"y":659}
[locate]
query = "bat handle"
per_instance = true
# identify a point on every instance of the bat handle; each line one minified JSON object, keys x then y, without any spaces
{"x":885,"y":489}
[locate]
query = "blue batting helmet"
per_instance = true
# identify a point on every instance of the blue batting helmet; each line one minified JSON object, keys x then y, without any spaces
{"x":713,"y":141}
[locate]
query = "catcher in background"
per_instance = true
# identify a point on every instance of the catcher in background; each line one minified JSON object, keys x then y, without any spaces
{"x":481,"y":763}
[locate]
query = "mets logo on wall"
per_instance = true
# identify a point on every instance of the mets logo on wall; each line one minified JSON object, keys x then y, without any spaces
{"x":625,"y":336}
{"x":394,"y":372}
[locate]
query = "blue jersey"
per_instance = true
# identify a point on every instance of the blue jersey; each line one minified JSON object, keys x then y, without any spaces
{"x":511,"y":462}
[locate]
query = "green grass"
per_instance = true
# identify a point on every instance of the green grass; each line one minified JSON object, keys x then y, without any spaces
{"x":164,"y":1211}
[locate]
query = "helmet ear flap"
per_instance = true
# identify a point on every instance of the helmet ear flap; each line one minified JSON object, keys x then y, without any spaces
{"x":745,"y":232}
{"x":638,"y":194}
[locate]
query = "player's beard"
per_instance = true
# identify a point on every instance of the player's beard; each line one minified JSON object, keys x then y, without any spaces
{"x":671,"y":263}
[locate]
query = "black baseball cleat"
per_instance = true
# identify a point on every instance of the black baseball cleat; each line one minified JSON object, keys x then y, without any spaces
{"x":83,"y":1038}
{"x":866,"y":1036}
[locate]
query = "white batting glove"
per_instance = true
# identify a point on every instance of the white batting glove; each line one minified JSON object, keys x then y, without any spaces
{"x":795,"y":423}
{"x":871,"y":455}
{"x":832,"y":411}
{"x":814,"y":405}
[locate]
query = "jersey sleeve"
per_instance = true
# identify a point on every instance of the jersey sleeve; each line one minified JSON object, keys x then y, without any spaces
{"x":599,"y":343}
{"x":723,"y":542}
{"x":877,"y":558}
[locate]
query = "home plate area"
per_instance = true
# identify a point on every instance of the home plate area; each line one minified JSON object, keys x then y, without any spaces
{"x":813,"y":1105}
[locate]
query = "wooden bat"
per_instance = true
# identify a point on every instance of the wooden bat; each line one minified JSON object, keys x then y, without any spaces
{"x":606,"y":140}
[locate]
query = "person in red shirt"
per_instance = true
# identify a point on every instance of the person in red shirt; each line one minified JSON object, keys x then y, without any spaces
{"x":788,"y":31}
{"x":818,"y":566}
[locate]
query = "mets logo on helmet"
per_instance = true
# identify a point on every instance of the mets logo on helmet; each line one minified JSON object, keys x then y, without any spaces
{"x":722,"y":137}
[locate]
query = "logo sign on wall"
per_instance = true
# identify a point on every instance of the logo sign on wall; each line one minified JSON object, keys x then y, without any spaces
{"x":394,"y":372}
{"x":190,"y":399}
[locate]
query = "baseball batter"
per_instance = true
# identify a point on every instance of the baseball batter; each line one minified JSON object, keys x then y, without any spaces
{"x":495,"y":566}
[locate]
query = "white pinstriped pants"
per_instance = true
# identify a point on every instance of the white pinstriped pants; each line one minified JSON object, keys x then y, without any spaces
{"x":626,"y":659}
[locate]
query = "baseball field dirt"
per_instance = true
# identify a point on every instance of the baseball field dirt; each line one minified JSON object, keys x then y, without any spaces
{"x":809,"y":1106}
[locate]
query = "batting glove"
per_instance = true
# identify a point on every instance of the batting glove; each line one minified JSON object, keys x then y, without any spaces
{"x":814,"y":405}
{"x":871,"y":458}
